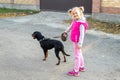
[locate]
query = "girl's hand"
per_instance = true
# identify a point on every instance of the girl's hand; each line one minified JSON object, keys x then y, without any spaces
{"x":64,"y":36}
{"x":79,"y":47}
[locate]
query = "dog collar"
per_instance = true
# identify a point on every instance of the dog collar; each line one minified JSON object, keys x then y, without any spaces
{"x":41,"y":39}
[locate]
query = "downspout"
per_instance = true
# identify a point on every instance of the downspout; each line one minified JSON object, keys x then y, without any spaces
{"x":100,"y":6}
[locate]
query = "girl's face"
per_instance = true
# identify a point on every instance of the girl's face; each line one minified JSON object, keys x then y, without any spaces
{"x":75,"y":15}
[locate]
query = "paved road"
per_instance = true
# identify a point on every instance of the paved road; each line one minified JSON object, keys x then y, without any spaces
{"x":21,"y":56}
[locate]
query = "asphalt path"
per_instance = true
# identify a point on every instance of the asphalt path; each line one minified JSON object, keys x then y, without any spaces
{"x":21,"y":56}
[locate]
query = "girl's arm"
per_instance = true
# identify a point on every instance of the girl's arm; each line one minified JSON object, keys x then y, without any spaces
{"x":81,"y":35}
{"x":68,"y":29}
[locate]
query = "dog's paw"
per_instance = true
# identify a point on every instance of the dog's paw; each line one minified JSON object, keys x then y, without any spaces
{"x":44,"y":59}
{"x":57,"y":63}
{"x":64,"y":61}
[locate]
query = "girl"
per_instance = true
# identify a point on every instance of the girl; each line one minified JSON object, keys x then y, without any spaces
{"x":78,"y":29}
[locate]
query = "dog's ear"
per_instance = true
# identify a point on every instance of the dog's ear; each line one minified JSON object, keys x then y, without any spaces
{"x":35,"y":33}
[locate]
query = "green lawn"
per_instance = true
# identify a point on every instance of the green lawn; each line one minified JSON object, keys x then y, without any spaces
{"x":7,"y":10}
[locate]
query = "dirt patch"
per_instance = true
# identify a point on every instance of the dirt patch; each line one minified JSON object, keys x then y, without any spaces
{"x":101,"y":26}
{"x":5,"y":15}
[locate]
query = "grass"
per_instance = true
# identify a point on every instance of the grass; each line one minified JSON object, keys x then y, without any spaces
{"x":6,"y":12}
{"x":101,"y":26}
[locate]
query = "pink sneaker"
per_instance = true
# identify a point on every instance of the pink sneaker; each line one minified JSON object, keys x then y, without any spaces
{"x":73,"y":73}
{"x":82,"y":69}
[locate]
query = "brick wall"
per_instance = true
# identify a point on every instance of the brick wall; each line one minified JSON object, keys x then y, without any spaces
{"x":110,"y":6}
{"x":106,"y":6}
{"x":96,"y":6}
{"x":20,"y":1}
{"x":21,"y":4}
{"x":111,"y":3}
{"x":24,"y":1}
{"x":4,"y":1}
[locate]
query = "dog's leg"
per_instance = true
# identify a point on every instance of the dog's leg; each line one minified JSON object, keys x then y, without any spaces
{"x":45,"y":55}
{"x":63,"y":52}
{"x":64,"y":58}
{"x":57,"y":55}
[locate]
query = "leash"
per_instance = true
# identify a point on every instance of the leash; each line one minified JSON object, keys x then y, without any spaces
{"x":57,"y":37}
{"x":63,"y":36}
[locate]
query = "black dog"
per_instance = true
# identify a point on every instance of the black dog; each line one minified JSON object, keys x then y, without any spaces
{"x":47,"y":44}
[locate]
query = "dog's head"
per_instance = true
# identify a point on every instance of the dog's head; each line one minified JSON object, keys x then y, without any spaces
{"x":76,"y":12}
{"x":37,"y":35}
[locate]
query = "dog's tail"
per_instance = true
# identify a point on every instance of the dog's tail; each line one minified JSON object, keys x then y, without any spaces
{"x":65,"y":53}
